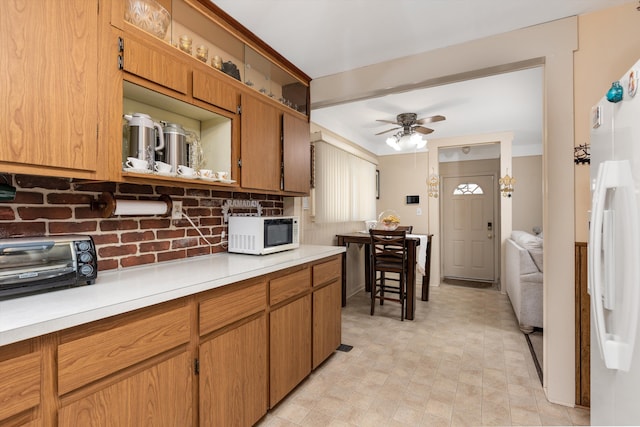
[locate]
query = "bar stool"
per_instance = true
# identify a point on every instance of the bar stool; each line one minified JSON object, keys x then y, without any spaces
{"x":389,"y":255}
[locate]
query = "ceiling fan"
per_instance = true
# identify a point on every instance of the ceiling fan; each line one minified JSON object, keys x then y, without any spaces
{"x":410,"y":128}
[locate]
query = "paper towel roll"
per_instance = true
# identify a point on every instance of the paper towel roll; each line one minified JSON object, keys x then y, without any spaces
{"x":141,"y":207}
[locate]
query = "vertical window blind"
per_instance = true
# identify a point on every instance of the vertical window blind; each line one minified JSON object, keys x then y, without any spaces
{"x":345,"y":186}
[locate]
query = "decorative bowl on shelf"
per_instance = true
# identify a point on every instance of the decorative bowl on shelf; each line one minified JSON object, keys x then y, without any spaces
{"x":149,"y":16}
{"x":388,"y":220}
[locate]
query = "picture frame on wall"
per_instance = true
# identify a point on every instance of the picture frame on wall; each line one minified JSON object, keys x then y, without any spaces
{"x":377,"y":184}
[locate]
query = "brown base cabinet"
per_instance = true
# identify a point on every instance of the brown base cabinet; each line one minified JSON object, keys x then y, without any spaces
{"x":158,"y":396}
{"x":20,"y":382}
{"x":233,"y":376}
{"x":219,"y":358}
{"x":327,"y":325}
{"x":290,"y":347}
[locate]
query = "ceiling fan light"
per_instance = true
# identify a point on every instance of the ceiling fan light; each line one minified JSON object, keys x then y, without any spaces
{"x":422,"y":143}
{"x":393,"y":143}
{"x":417,"y":140}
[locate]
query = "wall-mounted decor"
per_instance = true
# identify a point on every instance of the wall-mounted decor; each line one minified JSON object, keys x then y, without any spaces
{"x":582,"y":154}
{"x":433,"y":184}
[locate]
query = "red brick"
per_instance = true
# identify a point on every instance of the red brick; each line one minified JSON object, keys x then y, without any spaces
{"x":114,"y":251}
{"x":198,"y":192}
{"x":195,"y":212}
{"x":137,"y":260}
{"x":184,"y":243}
{"x":118,"y":224}
{"x":170,"y":234}
{"x":137,"y":237}
{"x":218,"y":249}
{"x":186,"y":202}
{"x":222,"y":194}
{"x":7,"y":213}
{"x":135,"y":189}
{"x":73,"y":227}
{"x":28,"y":198}
{"x":199,"y":251}
{"x":208,"y":221}
{"x":85,"y":212}
{"x":171,"y":191}
{"x":29,"y":213}
{"x":211,"y":203}
{"x":22,"y":229}
{"x":96,"y":187}
{"x":155,"y":246}
{"x":69,"y":199}
{"x":155,"y":223}
{"x":46,"y":182}
{"x":105,"y":239}
{"x":168,"y":256}
{"x":107,"y":264}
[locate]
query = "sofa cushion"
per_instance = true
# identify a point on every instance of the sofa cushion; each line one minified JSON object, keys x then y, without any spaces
{"x":536,"y":255}
{"x":526,"y":240}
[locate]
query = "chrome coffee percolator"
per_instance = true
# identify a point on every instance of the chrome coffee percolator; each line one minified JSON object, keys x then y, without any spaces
{"x":143,"y":142}
{"x":175,"y":146}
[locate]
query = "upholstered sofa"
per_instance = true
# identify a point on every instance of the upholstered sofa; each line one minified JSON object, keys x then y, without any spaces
{"x":523,"y":279}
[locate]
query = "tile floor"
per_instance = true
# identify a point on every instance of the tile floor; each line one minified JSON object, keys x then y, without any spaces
{"x":462,"y":362}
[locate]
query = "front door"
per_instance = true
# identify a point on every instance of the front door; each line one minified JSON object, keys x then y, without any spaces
{"x":468,"y":227}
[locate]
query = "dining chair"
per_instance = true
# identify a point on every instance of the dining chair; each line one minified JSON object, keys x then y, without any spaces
{"x":407,"y":228}
{"x":389,"y":255}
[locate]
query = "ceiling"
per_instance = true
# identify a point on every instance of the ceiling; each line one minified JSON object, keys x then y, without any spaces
{"x":324,"y":37}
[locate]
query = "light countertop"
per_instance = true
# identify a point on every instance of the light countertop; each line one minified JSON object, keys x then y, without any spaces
{"x":120,"y":291}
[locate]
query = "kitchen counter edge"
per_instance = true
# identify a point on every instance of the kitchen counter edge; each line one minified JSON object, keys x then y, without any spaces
{"x":120,"y":291}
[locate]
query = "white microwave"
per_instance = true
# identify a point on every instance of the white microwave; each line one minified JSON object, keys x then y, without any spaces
{"x":261,"y":235}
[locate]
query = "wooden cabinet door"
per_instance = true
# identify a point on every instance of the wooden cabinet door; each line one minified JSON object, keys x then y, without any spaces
{"x":49,"y":85}
{"x":162,"y":67}
{"x":296,"y":154}
{"x":260,"y":145}
{"x":20,"y":379}
{"x":327,"y":321}
{"x":290,"y":347}
{"x":214,"y":90}
{"x":233,"y":376}
{"x":158,"y":396}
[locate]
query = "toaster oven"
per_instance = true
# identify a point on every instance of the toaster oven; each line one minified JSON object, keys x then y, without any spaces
{"x":30,"y":265}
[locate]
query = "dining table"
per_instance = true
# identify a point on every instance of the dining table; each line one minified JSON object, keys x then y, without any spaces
{"x":413,"y":241}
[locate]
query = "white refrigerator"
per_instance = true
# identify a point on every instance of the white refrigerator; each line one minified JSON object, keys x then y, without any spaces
{"x":614,"y":255}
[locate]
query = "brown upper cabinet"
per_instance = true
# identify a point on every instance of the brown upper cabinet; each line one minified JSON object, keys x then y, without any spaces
{"x":68,"y":89}
{"x":49,"y":88}
{"x":243,"y":88}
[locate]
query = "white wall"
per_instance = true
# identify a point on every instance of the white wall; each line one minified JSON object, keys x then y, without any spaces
{"x":400,"y":176}
{"x":527,"y":194}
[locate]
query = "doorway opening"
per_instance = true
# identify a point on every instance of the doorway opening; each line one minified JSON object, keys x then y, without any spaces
{"x":470,"y":215}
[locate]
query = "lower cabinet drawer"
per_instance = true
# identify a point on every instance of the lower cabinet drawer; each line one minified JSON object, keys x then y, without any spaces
{"x":97,"y":355}
{"x":19,"y":384}
{"x":228,"y":305}
{"x":327,"y":271}
{"x":285,"y":287}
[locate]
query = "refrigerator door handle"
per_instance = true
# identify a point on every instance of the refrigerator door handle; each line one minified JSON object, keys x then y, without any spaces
{"x":605,"y":282}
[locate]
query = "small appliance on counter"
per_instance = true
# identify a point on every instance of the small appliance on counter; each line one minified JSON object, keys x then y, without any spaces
{"x":30,"y":265}
{"x":261,"y":235}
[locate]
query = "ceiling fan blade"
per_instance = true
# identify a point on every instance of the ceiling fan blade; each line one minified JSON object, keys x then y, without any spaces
{"x":423,"y":130}
{"x":388,"y":121}
{"x":431,"y":119}
{"x":388,"y":130}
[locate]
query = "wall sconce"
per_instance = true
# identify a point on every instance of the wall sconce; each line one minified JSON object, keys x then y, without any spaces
{"x":506,"y":184}
{"x":433,"y":184}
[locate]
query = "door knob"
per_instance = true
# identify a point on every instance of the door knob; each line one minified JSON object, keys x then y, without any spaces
{"x":490,"y":236}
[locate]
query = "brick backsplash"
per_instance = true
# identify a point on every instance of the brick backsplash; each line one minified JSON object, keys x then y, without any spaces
{"x":52,"y":206}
